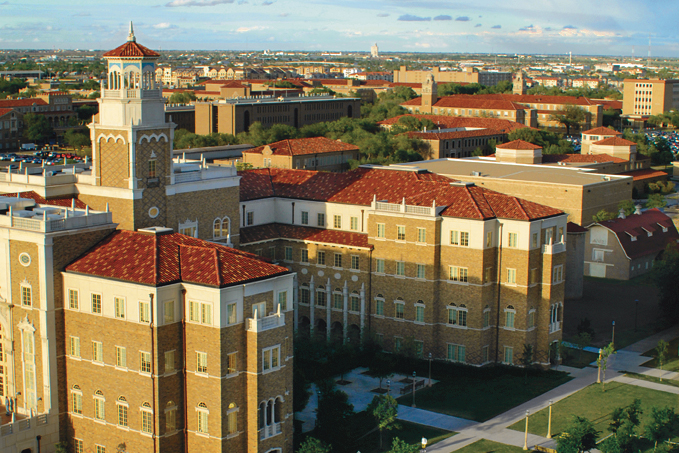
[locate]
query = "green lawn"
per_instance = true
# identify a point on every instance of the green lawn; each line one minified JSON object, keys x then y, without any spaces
{"x":645,"y":377}
{"x":597,"y":406}
{"x":481,"y":397}
{"x":488,"y":446}
{"x":671,"y":363}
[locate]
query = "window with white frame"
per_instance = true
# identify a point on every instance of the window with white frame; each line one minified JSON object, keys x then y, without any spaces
{"x":598,"y":236}
{"x":201,"y":362}
{"x":337,"y":299}
{"x":99,"y":406}
{"x":459,"y":238}
{"x":320,"y":258}
{"x":354,"y":302}
{"x":170,"y":417}
{"x":96,"y":303}
{"x":320,"y":219}
{"x":354,"y":223}
{"x":337,"y":221}
{"x":121,"y":357}
{"x":554,"y":317}
{"x":271,"y":358}
{"x":489,"y":239}
{"x":458,"y":274}
{"x":421,"y":268}
{"x":321,"y":298}
{"x":99,"y":448}
{"x":509,"y":355}
{"x":78,"y":446}
{"x":379,"y":306}
{"x":354,"y":262}
{"x":304,"y":294}
{"x":598,"y":255}
{"x":457,"y":316}
{"x":304,"y":256}
{"x":379,"y":266}
{"x":250,"y":218}
{"x":456,"y":353}
{"x":486,"y":317}
{"x":169,"y":361}
{"x":119,"y":307}
{"x":144,"y":312}
{"x":200,"y":312}
{"x":288,"y":253}
{"x":531,"y":318}
{"x":419,"y":311}
{"x":557,"y":274}
{"x":232,"y":420}
{"x":122,"y":405}
{"x":510,"y":314}
{"x":513,"y":240}
{"x":202,"y":413}
{"x":74,"y":346}
{"x":168,"y":312}
{"x":73,"y":302}
{"x":144,"y":362}
{"x":400,"y":233}
{"x":76,"y":400}
{"x":283,"y":300}
{"x":399,"y":309}
{"x":381,"y":229}
{"x":26,"y":295}
{"x":305,"y":217}
{"x":337,"y":260}
{"x":221,"y":228}
{"x":533,"y":276}
{"x":97,"y":352}
{"x":231,"y":363}
{"x":400,"y":268}
{"x":231,"y":314}
{"x":511,"y":276}
{"x":188,"y":228}
{"x":422,"y":235}
{"x":146,"y":418}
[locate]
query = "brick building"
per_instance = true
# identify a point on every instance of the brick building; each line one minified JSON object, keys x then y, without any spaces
{"x":314,"y":153}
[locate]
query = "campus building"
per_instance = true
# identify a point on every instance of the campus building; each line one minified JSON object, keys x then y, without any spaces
{"x":314,"y":153}
{"x":468,"y":75}
{"x":643,"y":98}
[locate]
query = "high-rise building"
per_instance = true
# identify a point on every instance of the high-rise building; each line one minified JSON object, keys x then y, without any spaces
{"x":374,"y":51}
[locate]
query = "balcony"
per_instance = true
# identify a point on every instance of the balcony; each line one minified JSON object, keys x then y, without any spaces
{"x":553,"y":249}
{"x":265,"y":323}
{"x":403,"y":208}
{"x":270,"y":431}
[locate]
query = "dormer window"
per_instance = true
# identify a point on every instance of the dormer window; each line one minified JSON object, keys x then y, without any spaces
{"x":664,"y":228}
{"x":648,"y":233}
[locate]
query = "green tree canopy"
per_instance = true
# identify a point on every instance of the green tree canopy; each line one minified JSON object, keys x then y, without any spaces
{"x":550,"y":142}
{"x":313,"y":445}
{"x":77,"y":138}
{"x":656,"y":200}
{"x":578,"y":437}
{"x":384,"y":409}
{"x":666,"y":278}
{"x":569,"y":116}
{"x":36,"y":128}
{"x":182,"y":97}
{"x":662,"y":426}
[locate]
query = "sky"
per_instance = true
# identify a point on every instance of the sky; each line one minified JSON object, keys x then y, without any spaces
{"x":584,"y":27}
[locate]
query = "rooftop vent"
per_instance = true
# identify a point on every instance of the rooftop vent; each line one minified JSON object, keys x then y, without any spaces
{"x":462,"y":184}
{"x":476,"y":173}
{"x":157,"y":230}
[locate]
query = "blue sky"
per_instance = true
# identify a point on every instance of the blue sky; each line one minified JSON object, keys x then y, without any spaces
{"x":616,"y":27}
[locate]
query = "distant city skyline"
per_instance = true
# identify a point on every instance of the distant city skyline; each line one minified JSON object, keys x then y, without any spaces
{"x":488,"y":26}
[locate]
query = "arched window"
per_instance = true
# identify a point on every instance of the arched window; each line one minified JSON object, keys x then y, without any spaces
{"x":146,"y":418}
{"x":122,"y":399}
{"x":337,"y":299}
{"x":202,"y":418}
{"x":355,"y":302}
{"x":320,"y":296}
{"x":170,"y":417}
{"x":510,"y":314}
{"x":232,"y":419}
{"x":122,"y":411}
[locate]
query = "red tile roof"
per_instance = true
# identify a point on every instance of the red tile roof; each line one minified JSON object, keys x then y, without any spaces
{"x":538,"y":99}
{"x":575,"y":228}
{"x":638,"y":226}
{"x":601,"y":131}
{"x":647,"y":173}
{"x":615,"y":141}
{"x":450,"y":122}
{"x":418,"y":188}
{"x":160,"y":259}
{"x":453,"y":135}
{"x":271,"y":231}
{"x":302,"y":146}
{"x":518,"y":144}
{"x":469,"y":102}
{"x":5,"y":111}
{"x":581,"y":158}
{"x":12,"y":103}
{"x":64,"y":202}
{"x":131,"y":49}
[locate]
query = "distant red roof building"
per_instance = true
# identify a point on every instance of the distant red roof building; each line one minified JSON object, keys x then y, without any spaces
{"x":601,"y":131}
{"x":518,"y":144}
{"x":615,"y":141}
{"x":450,"y":122}
{"x":301,"y":146}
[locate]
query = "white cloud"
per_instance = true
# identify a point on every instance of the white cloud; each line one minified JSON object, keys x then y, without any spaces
{"x":247,"y":29}
{"x":164,"y":25}
{"x":176,"y":3}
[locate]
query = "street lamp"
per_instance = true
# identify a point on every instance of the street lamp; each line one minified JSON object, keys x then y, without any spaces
{"x":424,"y":445}
{"x":549,"y":423}
{"x":525,"y":437}
{"x":388,"y":385}
{"x":598,"y":363}
{"x":429,"y":370}
{"x":613,"y":335}
{"x":414,"y":378}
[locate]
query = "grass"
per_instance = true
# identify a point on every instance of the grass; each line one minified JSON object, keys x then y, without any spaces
{"x":579,"y":359}
{"x":671,"y":362}
{"x":645,"y":377}
{"x":597,"y":406}
{"x":488,"y":446}
{"x":480,"y":398}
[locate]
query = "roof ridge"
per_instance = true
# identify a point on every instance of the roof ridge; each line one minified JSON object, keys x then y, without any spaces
{"x":474,"y":202}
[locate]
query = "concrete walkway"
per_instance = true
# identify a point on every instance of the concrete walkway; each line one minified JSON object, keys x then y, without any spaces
{"x":434,"y":419}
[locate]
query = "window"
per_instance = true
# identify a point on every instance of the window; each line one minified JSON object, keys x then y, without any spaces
{"x":379,"y":307}
{"x":534,"y":241}
{"x":304,"y":256}
{"x":144,"y":315}
{"x":250,"y":218}
{"x":399,"y":307}
{"x":598,"y":255}
{"x":304,"y":295}
{"x":337,"y":221}
{"x":401,"y":268}
{"x":168,"y":312}
{"x":97,"y":351}
{"x":78,"y":446}
{"x":354,"y":223}
{"x":421,"y":271}
{"x":99,"y":410}
{"x":397,"y":343}
{"x":531,"y":318}
{"x":381,"y":227}
{"x":305,"y":217}
{"x":510,"y":313}
{"x":458,"y":274}
{"x":400,"y":233}
{"x":288,"y":253}
{"x":75,"y":346}
{"x":354,"y":262}
{"x":320,"y":258}
{"x":283,"y":300}
{"x":146,"y":421}
{"x":320,"y":297}
{"x":96,"y":303}
{"x":557,"y":274}
{"x":337,"y":299}
{"x":169,"y":361}
{"x":272,"y":253}
{"x":201,"y":362}
{"x":145,"y":362}
{"x":489,"y":239}
{"x":121,"y":357}
{"x":188,"y":229}
{"x":456,"y":353}
{"x":321,"y":219}
{"x":231,"y":315}
{"x":509,"y":355}
{"x":355,"y":302}
{"x":464,"y":239}
{"x":231,"y":363}
{"x":460,"y":238}
{"x":485,"y":354}
{"x":26,"y":297}
{"x":419,"y":313}
{"x":202,"y":419}
{"x":338,"y":260}
{"x":419,"y":348}
{"x":77,"y":403}
{"x":533,"y":276}
{"x":73,"y":299}
{"x":119,"y":303}
{"x":271,"y":358}
{"x":152,"y":168}
{"x":422,"y":235}
{"x":457,"y":316}
{"x":99,"y":449}
{"x":200,"y":312}
{"x":513,"y":240}
{"x":170,"y":418}
{"x":511,"y":276}
{"x":122,"y":411}
{"x":379,"y":266}
{"x":486,"y":317}
{"x":232,"y":420}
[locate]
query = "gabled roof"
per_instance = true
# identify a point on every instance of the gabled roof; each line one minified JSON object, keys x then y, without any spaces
{"x":601,"y":131}
{"x":12,"y":103}
{"x":418,"y":188}
{"x":303,"y":146}
{"x":575,"y":228}
{"x":518,"y":144}
{"x":645,"y":173}
{"x":131,"y":49}
{"x":272,"y":231}
{"x":632,"y":232}
{"x":433,"y":135}
{"x":615,"y":141}
{"x":4,"y":112}
{"x":471,"y":102}
{"x":160,"y":259}
{"x":581,"y":158}
{"x":450,"y":122}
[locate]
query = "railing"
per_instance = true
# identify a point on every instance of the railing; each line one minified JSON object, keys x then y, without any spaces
{"x":552,"y":249}
{"x":554,"y":326}
{"x":393,"y":207}
{"x":266,"y":323}
{"x":270,"y":431}
{"x":187,"y":177}
{"x":38,"y":224}
{"x":17,"y":426}
{"x":418,"y":210}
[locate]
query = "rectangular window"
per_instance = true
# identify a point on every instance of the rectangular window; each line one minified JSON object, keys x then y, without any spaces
{"x":75,"y":346}
{"x":119,"y":303}
{"x":399,"y":310}
{"x":288,"y":253}
{"x":379,"y":266}
{"x":337,"y":301}
{"x":489,"y":274}
{"x":509,"y":355}
{"x":381,"y":228}
{"x":456,"y":353}
{"x":338,"y":260}
{"x":206,"y":314}
{"x":231,"y":363}
{"x":354,"y":262}
{"x":168,"y":312}
{"x":534,"y":241}
{"x":557,"y":274}
{"x":321,"y":219}
{"x":77,"y":403}
{"x":354,"y":223}
{"x":26,"y":297}
{"x":484,"y":354}
{"x":272,"y":253}
{"x":271,"y":358}
{"x":283,"y":300}
{"x":201,"y":362}
{"x":305,"y":217}
{"x":513,"y":240}
{"x":202,"y":422}
{"x":73,"y":299}
{"x":78,"y":446}
{"x":419,"y":313}
{"x":397,"y":343}
{"x":250,"y":218}
{"x":421,"y":271}
{"x":100,"y":449}
{"x":169,"y":361}
{"x":304,"y":258}
{"x":454,"y":238}
{"x":304,"y":295}
{"x":96,"y":303}
{"x":400,"y":233}
{"x":231,"y":315}
{"x":152,"y":168}
{"x":509,"y":318}
{"x":232,"y":422}
{"x":486,"y":318}
{"x":355,"y":303}
{"x":259,"y":310}
{"x":146,"y":422}
{"x":144,"y":315}
{"x":170,"y":420}
{"x":337,"y":221}
{"x":145,"y":361}
{"x":511,"y":276}
{"x":97,"y":351}
{"x":121,"y":357}
{"x":531,"y":319}
{"x":462,"y":317}
{"x":400,"y":268}
{"x":459,"y":274}
{"x":489,"y":239}
{"x":320,"y":258}
{"x":379,"y":307}
{"x":320,"y":298}
{"x":464,"y":239}
{"x":122,"y":415}
{"x":533,"y":276}
{"x":422,"y":235}
{"x":99,"y":413}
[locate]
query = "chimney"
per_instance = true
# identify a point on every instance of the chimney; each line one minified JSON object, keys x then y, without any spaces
{"x":637,"y":210}
{"x":622,"y":215}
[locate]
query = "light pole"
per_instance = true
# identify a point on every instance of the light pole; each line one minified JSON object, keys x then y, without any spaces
{"x":525,"y":437}
{"x":414,"y":379}
{"x":549,"y":422}
{"x":388,"y":385}
{"x":598,"y":363}
{"x":424,"y":445}
{"x":429,"y":370}
{"x":613,"y":334}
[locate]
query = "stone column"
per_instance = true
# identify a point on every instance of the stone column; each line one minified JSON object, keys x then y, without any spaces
{"x":295,"y":301}
{"x":362,"y":310}
{"x":345,"y":312}
{"x":312,"y":309}
{"x":328,"y":308}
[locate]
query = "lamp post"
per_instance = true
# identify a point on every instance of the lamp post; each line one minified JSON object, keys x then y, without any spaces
{"x":598,"y":363}
{"x":424,"y":445}
{"x":414,"y":379}
{"x":525,"y":437}
{"x":388,"y":385}
{"x":429,"y":385}
{"x":549,"y":422}
{"x":613,"y":334}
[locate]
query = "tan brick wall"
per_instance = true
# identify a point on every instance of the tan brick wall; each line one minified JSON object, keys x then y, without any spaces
{"x":112,"y":159}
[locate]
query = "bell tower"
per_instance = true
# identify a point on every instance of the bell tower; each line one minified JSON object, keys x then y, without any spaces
{"x":519,"y":83}
{"x":429,"y":94}
{"x":131,"y":141}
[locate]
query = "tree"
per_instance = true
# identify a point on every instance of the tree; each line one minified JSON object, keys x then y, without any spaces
{"x":333,"y":416}
{"x":569,"y":116}
{"x":381,"y":366}
{"x":527,"y":359}
{"x":578,"y":437}
{"x":76,"y":139}
{"x":384,"y":409}
{"x":313,"y":445}
{"x":36,"y":128}
{"x":86,"y":112}
{"x":624,"y":424}
{"x":550,"y":142}
{"x":400,"y":446}
{"x":661,"y":352}
{"x":662,"y":425}
{"x":182,"y":97}
{"x":602,"y":362}
{"x":656,"y":200}
{"x":627,"y":206}
{"x":666,"y":279}
{"x":62,"y":447}
{"x":602,"y":216}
